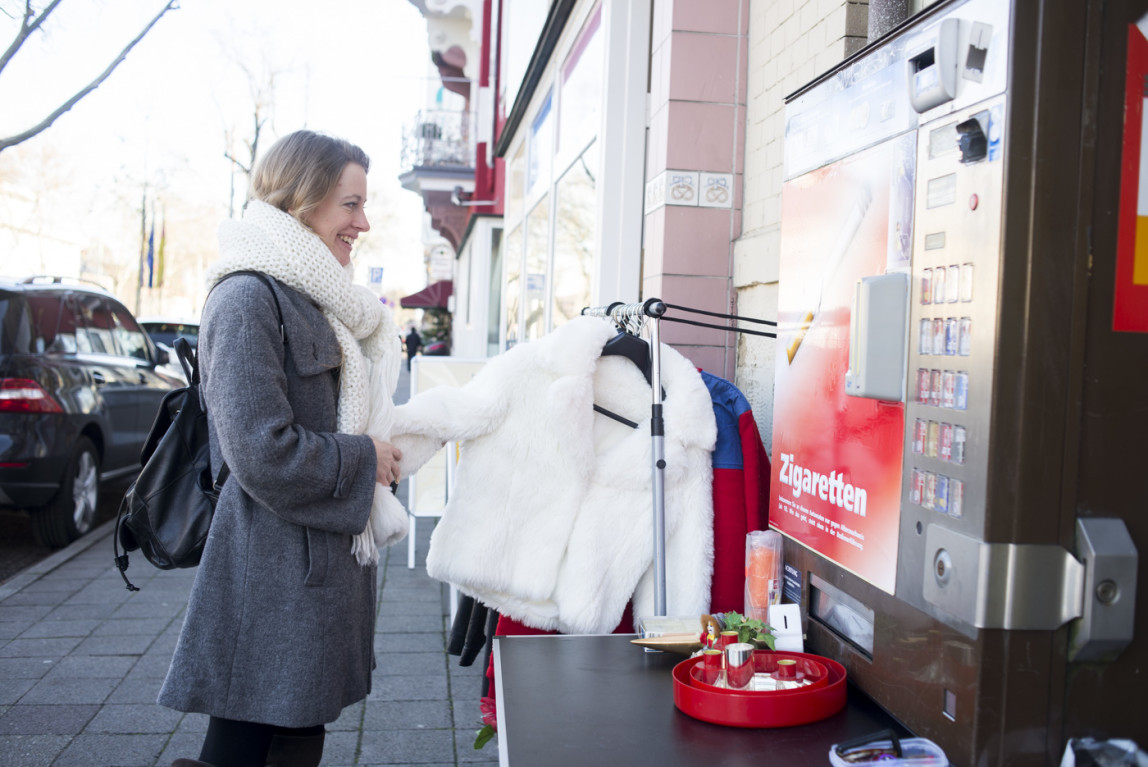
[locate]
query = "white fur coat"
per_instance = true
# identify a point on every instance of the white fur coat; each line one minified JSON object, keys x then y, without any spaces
{"x":550,"y":520}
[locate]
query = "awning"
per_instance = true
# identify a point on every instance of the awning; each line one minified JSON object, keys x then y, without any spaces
{"x":433,"y":296}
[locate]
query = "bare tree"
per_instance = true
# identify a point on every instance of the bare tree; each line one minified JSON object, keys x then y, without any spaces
{"x":261,"y":85}
{"x":28,"y":25}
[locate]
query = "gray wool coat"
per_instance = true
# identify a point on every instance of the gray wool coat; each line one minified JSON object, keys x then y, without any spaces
{"x":280,"y":622}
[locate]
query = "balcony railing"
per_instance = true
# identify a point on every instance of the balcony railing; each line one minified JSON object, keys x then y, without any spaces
{"x":437,"y":138}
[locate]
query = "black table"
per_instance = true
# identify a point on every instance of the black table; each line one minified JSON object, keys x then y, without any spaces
{"x":597,"y":701}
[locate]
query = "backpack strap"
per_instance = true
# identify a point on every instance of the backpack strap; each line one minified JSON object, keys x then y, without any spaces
{"x":224,"y":471}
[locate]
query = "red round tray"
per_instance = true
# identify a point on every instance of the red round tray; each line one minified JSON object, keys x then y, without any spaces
{"x":814,"y":672}
{"x":746,"y":708}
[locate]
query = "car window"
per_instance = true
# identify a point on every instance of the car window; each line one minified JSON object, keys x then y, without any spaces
{"x":32,"y":324}
{"x":65,"y":330}
{"x":130,"y":337}
{"x":97,"y":335}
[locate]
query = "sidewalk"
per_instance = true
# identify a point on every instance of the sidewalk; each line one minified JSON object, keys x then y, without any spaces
{"x":82,"y":659}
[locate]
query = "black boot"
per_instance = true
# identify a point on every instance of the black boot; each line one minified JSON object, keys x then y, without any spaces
{"x":296,"y":750}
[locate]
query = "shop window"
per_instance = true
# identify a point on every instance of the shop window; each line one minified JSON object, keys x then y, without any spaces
{"x":493,"y":315}
{"x":513,"y":289}
{"x":579,"y":108}
{"x":541,"y":156}
{"x":575,"y":199}
{"x":537,"y":258}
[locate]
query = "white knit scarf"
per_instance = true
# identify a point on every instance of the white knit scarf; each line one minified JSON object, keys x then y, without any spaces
{"x":275,"y":243}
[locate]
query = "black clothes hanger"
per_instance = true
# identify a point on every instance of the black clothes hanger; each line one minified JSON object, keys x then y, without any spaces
{"x":632,"y":348}
{"x":637,"y":351}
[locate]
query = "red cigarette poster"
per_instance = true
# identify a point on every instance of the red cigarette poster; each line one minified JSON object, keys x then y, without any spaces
{"x":1130,"y":312}
{"x":837,"y":459}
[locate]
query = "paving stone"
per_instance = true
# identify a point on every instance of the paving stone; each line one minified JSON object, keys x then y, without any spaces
{"x":136,"y":691}
{"x":407,"y":715}
{"x":194,"y":724}
{"x":425,"y":642}
{"x":412,"y":664}
{"x":58,"y":719}
{"x":468,"y":754}
{"x":119,"y":750}
{"x":23,"y":612}
{"x":75,"y":612}
{"x":114,"y":645}
{"x":70,"y":690}
{"x":150,"y":667}
{"x":26,"y":597}
{"x":61,"y":628}
{"x":134,"y":718}
{"x":409,"y":624}
{"x":181,"y":746}
{"x":340,"y":748}
{"x":132,"y":626}
{"x":11,"y":690}
{"x":56,"y":581}
{"x":408,"y":747}
{"x":92,"y":667}
{"x":98,"y":594}
{"x":25,"y":668}
{"x":405,"y":608}
{"x":409,"y":688}
{"x":466,"y":713}
{"x":149,"y":610}
{"x":13,"y":629}
{"x":32,"y":750}
{"x":56,"y":647}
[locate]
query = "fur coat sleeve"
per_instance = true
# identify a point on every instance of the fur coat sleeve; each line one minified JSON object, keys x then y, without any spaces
{"x":551,"y":519}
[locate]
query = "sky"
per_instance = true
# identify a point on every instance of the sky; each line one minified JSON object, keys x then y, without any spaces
{"x":158,"y":126}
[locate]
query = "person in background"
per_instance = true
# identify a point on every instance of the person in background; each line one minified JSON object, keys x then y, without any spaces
{"x":278,"y":634}
{"x":414,"y":343}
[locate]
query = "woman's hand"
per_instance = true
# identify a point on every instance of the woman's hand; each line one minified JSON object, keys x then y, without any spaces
{"x":387,"y":463}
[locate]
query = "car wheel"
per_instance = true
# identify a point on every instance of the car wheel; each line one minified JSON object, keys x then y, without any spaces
{"x":72,"y":511}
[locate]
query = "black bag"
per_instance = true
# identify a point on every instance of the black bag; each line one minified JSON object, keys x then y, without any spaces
{"x":166,"y":512}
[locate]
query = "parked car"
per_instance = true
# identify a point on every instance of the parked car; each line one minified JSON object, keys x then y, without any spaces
{"x":80,"y":386}
{"x":163,"y":332}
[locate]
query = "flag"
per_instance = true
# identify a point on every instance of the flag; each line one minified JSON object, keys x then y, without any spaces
{"x":151,"y":255}
{"x":159,"y":253}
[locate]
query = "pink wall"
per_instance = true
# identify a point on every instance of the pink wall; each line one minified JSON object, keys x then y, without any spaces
{"x":699,"y":52}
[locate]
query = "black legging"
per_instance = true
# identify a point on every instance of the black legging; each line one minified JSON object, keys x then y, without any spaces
{"x":230,"y":743}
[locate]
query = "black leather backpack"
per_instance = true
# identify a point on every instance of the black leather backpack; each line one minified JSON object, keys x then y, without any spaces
{"x":166,"y":512}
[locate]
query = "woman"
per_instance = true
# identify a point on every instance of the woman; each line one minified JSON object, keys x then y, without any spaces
{"x":280,"y":622}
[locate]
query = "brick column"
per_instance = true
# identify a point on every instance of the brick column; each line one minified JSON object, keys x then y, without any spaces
{"x":694,"y":166}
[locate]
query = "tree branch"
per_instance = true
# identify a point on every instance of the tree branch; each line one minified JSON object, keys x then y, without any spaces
{"x":26,"y":29}
{"x":47,"y":121}
{"x":242,"y":167}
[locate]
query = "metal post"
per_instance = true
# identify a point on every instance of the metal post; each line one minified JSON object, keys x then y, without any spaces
{"x":655,"y":309}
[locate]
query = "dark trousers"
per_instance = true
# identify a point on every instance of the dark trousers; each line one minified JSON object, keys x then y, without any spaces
{"x":231,"y":743}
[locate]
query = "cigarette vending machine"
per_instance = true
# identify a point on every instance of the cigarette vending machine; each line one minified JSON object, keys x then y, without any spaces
{"x":960,"y":441}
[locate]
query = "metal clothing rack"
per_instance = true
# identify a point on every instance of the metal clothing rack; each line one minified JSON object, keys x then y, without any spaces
{"x":623,"y":316}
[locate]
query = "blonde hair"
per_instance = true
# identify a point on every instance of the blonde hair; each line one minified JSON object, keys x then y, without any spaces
{"x":300,"y":170}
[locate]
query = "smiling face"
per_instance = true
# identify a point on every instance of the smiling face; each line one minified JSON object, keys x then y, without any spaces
{"x":339,"y":219}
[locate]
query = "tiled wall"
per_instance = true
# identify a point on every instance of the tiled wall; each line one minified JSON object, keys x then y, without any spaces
{"x":790,"y":43}
{"x":699,"y":52}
